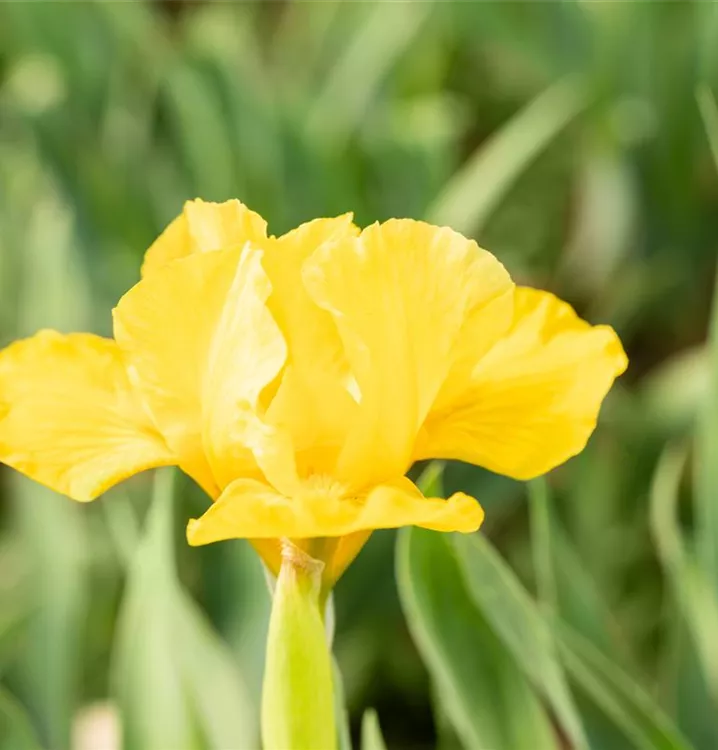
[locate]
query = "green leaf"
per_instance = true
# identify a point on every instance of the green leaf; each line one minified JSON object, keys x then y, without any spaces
{"x":344,"y":741}
{"x":563,"y":583}
{"x":16,"y":731}
{"x":371,"y":737}
{"x":617,"y":694}
{"x":175,"y":681}
{"x":484,"y":692}
{"x":16,"y":608}
{"x":706,"y":466}
{"x":693,"y":671}
{"x":519,"y":625}
{"x":709,"y":111}
{"x":541,"y":542}
{"x":355,"y":78}
{"x":201,"y":131}
{"x":674,"y":392}
{"x":691,"y":587}
{"x":476,"y":189}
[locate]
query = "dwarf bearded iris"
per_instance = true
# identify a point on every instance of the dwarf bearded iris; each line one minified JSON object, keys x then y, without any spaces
{"x":297,"y":378}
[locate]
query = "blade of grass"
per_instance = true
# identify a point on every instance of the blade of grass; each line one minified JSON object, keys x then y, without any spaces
{"x":518,"y":624}
{"x":706,"y":466}
{"x":618,"y":695}
{"x":342,"y":103}
{"x":371,"y":737}
{"x":690,"y":585}
{"x":482,"y":688}
{"x":709,"y":111}
{"x":565,"y":587}
{"x":633,"y":712}
{"x":476,"y":189}
{"x":344,"y":741}
{"x":16,"y":731}
{"x":175,"y":681}
{"x":541,"y":545}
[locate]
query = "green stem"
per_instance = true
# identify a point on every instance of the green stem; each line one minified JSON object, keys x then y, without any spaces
{"x":297,"y":695}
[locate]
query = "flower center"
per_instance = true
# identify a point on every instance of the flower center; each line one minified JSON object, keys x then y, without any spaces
{"x":322,"y":487}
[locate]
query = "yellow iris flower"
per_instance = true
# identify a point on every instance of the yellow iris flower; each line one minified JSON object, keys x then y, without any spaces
{"x":297,"y":378}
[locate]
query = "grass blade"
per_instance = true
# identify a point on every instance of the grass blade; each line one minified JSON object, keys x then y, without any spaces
{"x":175,"y":681}
{"x":344,"y":741}
{"x":541,"y":545}
{"x":518,"y":624}
{"x":706,"y":495}
{"x":16,"y":731}
{"x":476,"y":189}
{"x":483,"y":690}
{"x":619,"y":696}
{"x":690,"y":582}
{"x":709,"y":111}
{"x":356,"y":76}
{"x":371,"y":737}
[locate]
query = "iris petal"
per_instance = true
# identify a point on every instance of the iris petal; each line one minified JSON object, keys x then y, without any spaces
{"x":313,"y":401}
{"x":401,"y":295}
{"x":251,"y":509}
{"x":202,"y":227}
{"x":533,"y":400}
{"x":69,"y":417}
{"x":201,"y":344}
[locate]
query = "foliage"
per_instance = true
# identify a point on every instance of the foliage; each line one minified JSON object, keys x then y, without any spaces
{"x":569,"y":140}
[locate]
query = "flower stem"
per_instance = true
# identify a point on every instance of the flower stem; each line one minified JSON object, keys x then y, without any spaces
{"x":297,"y":695}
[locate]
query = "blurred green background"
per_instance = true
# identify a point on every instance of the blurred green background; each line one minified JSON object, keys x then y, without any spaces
{"x":572,"y":139}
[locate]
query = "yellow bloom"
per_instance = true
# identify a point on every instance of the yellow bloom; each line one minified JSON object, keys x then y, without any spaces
{"x":297,"y":378}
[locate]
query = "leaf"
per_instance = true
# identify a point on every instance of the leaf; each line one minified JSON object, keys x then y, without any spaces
{"x":484,"y":691}
{"x":541,"y":543}
{"x":344,"y":741}
{"x":475,"y":190}
{"x":201,"y":132}
{"x":706,"y":465}
{"x":518,"y":624}
{"x":174,"y":679}
{"x":371,"y":737}
{"x":16,"y":731}
{"x":16,"y":605}
{"x":692,"y":589}
{"x":617,"y":694}
{"x":564,"y":585}
{"x":673,"y":393}
{"x":709,"y":111}
{"x":694,"y":668}
{"x":355,"y":78}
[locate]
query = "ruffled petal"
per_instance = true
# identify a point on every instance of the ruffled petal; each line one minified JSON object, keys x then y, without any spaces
{"x":533,"y":400}
{"x":401,"y":294}
{"x":251,"y":509}
{"x":165,"y":326}
{"x":69,"y":417}
{"x":201,"y":344}
{"x":248,"y":351}
{"x":202,"y":227}
{"x":313,"y":401}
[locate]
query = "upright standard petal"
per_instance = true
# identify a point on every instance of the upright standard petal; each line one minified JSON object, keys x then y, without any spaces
{"x":247,"y":353}
{"x":533,"y":400}
{"x":401,"y":294}
{"x":165,"y":326}
{"x":202,"y":227}
{"x":313,"y":401}
{"x":69,"y":417}
{"x":201,"y":344}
